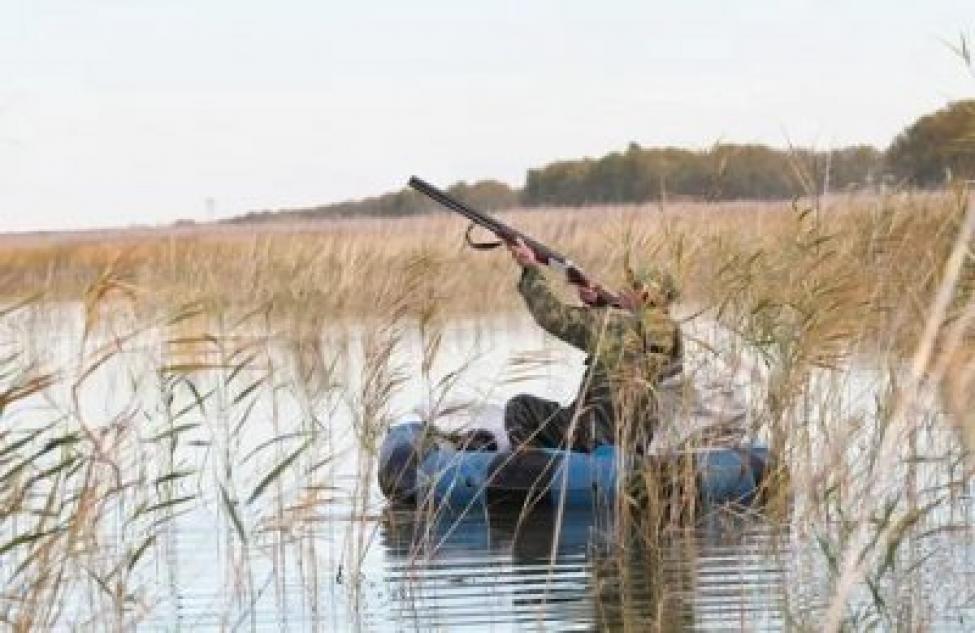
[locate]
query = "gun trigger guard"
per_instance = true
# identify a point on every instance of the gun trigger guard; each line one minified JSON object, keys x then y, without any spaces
{"x":481,"y":246}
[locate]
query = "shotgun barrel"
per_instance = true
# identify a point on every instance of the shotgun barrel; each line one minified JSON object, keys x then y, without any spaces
{"x":547,"y":256}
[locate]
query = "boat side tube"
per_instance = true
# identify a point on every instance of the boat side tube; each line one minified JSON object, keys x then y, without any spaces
{"x":414,"y":469}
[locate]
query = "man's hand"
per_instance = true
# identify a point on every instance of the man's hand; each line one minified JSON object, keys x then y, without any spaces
{"x":522,"y":254}
{"x":588,"y":295}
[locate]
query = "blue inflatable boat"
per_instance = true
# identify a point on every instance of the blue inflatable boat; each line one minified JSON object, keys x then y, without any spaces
{"x":416,"y":467}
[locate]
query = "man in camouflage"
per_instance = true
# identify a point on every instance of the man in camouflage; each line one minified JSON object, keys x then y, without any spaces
{"x":630,"y":350}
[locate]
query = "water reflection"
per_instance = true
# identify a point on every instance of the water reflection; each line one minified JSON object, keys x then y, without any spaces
{"x":498,"y":569}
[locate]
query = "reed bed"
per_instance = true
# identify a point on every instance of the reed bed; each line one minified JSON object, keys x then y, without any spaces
{"x":339,"y":267}
{"x":230,"y":354}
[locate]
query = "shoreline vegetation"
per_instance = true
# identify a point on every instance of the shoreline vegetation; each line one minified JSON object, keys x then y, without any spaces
{"x":928,"y":154}
{"x":868,"y":254}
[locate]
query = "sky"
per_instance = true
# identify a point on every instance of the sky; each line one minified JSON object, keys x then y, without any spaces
{"x":143,"y":112}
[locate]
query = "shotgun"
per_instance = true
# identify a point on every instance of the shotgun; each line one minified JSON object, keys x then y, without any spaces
{"x":547,"y":256}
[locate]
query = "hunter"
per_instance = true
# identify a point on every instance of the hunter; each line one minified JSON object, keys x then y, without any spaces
{"x":630,"y":350}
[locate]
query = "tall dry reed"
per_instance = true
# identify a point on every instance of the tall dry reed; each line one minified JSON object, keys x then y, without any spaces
{"x":809,"y":290}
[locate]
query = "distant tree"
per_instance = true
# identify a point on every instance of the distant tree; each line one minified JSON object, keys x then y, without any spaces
{"x":486,"y":194}
{"x":636,"y":175}
{"x":681,"y":172}
{"x":749,"y":171}
{"x":725,"y":172}
{"x":854,"y":167}
{"x":561,"y":183}
{"x":936,"y":147}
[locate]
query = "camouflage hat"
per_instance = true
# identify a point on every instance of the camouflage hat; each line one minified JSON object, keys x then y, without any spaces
{"x":659,"y":282}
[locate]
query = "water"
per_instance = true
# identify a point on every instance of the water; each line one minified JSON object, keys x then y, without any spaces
{"x":318,"y":548}
{"x":496,"y":572}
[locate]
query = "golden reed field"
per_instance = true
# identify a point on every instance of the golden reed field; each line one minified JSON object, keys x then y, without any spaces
{"x":824,"y":276}
{"x":340,"y":265}
{"x":810,"y":284}
{"x":855,"y":268}
{"x":831,"y":275}
{"x":852,"y":269}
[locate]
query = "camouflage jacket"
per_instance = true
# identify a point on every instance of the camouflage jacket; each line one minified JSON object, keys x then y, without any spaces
{"x":628,"y":353}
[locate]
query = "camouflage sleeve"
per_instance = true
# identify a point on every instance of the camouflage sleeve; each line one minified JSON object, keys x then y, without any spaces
{"x":574,"y":325}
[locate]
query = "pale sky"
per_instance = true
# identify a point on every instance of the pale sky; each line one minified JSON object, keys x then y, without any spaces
{"x":119,"y":112}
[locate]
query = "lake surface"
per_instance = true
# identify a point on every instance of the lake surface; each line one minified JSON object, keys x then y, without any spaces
{"x":283,"y":526}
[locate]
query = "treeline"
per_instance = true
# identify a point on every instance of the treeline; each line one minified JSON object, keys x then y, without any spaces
{"x":936,"y":148}
{"x":485,"y":194}
{"x":725,"y":172}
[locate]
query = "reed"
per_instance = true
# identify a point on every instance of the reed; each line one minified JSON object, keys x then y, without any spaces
{"x":230,"y":354}
{"x":340,"y":267}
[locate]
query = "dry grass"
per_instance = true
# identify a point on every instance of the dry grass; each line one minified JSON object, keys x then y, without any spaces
{"x":879,"y":247}
{"x":804,"y":288}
